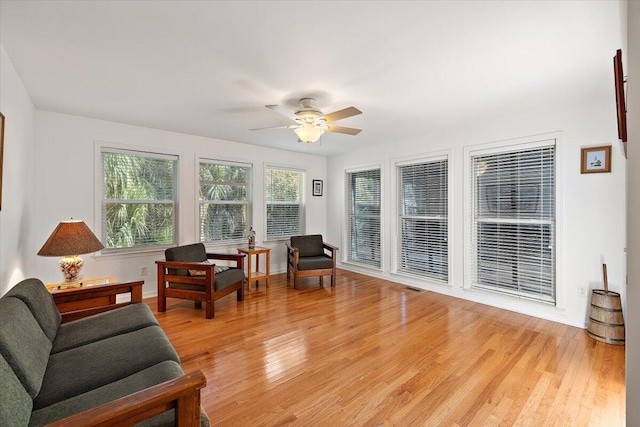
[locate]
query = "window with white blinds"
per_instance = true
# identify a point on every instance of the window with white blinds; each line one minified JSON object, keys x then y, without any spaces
{"x":363,"y":216}
{"x":513,"y":222}
{"x":139,"y":199}
{"x":225,"y":201}
{"x":285,"y":202}
{"x":422,"y":209}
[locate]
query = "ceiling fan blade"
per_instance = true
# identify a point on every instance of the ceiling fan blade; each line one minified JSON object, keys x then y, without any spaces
{"x":277,"y":127}
{"x":342,"y":129}
{"x":342,"y":114}
{"x":281,"y":110}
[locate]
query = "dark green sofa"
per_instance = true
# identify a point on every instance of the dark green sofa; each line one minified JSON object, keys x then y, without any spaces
{"x":89,"y":369}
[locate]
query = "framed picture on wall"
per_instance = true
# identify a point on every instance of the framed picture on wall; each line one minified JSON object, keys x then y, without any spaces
{"x":1,"y":154}
{"x":317,"y":187}
{"x":596,"y":159}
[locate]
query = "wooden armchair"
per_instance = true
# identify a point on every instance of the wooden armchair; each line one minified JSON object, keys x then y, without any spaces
{"x":306,"y":257}
{"x":186,"y":273}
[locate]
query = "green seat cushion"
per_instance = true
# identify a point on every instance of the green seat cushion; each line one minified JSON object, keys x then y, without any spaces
{"x":104,"y":325}
{"x":310,"y":245}
{"x":221,"y":281}
{"x":15,"y":402}
{"x":82,"y":369}
{"x":315,"y":262}
{"x":156,"y":374}
{"x":23,"y":344}
{"x":41,"y":303}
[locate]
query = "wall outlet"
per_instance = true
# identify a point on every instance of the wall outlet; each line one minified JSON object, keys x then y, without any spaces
{"x":582,"y":291}
{"x":143,"y":270}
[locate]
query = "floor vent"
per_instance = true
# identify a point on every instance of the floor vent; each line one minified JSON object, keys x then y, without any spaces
{"x":413,"y":289}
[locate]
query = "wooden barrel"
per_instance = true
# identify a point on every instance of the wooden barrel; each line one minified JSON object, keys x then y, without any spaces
{"x":606,"y":323}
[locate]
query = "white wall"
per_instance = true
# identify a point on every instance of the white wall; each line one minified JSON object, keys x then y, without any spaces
{"x":632,"y":319}
{"x":18,"y":180}
{"x":591,"y":211}
{"x":66,"y":150}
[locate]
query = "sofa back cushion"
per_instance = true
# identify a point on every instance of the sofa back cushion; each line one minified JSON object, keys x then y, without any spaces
{"x":41,"y":303}
{"x":23,"y":343}
{"x":15,"y":402}
{"x":310,"y":245}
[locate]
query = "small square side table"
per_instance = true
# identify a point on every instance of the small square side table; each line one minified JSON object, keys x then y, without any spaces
{"x":255,"y":275}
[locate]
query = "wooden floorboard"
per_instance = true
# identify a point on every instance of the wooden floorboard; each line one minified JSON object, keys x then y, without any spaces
{"x":373,"y":353}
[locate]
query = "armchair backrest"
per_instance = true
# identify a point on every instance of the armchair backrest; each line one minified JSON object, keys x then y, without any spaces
{"x":310,"y":245}
{"x":195,"y":252}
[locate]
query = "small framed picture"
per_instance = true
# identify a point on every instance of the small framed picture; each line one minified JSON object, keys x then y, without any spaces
{"x":317,"y":187}
{"x":596,"y":159}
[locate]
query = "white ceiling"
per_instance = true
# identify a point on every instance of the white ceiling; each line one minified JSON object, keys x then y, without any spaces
{"x":208,"y":68}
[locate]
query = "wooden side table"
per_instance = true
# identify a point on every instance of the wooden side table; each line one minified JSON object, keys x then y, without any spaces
{"x":254,"y":276}
{"x":83,"y":301}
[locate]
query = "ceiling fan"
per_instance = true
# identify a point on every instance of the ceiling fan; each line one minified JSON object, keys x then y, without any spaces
{"x":312,"y":123}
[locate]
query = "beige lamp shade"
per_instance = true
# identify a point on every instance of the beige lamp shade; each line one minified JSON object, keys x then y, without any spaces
{"x":70,"y":239}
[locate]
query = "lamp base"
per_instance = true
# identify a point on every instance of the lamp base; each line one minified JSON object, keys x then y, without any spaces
{"x":70,"y":267}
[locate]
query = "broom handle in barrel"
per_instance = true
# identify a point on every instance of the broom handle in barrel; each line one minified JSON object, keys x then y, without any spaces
{"x":606,"y":280}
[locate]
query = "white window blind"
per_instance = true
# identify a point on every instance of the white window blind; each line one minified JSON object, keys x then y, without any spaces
{"x":285,"y":202}
{"x":225,"y":201}
{"x":422,"y":206}
{"x":363,"y":213}
{"x":513,"y":224}
{"x":138,"y":199}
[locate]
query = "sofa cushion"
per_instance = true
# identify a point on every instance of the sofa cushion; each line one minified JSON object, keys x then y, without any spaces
{"x":104,"y":325}
{"x":15,"y":402}
{"x":156,"y":374}
{"x":315,"y":262}
{"x":41,"y":303}
{"x":23,"y":344}
{"x":310,"y":245}
{"x":82,"y":369}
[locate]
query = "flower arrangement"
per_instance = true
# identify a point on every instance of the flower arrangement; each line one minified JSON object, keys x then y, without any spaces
{"x":252,"y":238}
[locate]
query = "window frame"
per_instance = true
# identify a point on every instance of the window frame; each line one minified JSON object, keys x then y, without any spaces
{"x":199,"y":202}
{"x":301,"y":201}
{"x":347,"y":217}
{"x":101,"y":147}
{"x":398,"y":217}
{"x":516,"y":145}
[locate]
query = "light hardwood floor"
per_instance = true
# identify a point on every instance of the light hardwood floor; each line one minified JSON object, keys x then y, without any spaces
{"x":374,"y":353}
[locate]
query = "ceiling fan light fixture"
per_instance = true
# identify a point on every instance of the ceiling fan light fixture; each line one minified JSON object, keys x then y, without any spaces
{"x":308,"y":133}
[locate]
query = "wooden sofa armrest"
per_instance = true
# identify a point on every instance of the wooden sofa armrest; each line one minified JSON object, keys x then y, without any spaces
{"x":182,"y":394}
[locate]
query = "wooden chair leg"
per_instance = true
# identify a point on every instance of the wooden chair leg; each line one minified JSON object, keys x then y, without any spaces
{"x":209,"y":309}
{"x":197,"y":304}
{"x":321,"y":280}
{"x":240,"y":292}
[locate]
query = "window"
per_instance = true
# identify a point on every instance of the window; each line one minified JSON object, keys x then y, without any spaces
{"x":513,"y":222}
{"x":138,"y":199}
{"x":285,"y":202}
{"x":422,"y":205}
{"x":225,"y":201}
{"x":363,"y":217}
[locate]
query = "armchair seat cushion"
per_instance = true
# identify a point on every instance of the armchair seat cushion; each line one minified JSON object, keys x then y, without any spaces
{"x":221,"y":281}
{"x":315,"y":262}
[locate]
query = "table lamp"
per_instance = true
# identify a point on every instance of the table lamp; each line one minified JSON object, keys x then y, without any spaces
{"x":68,"y":240}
